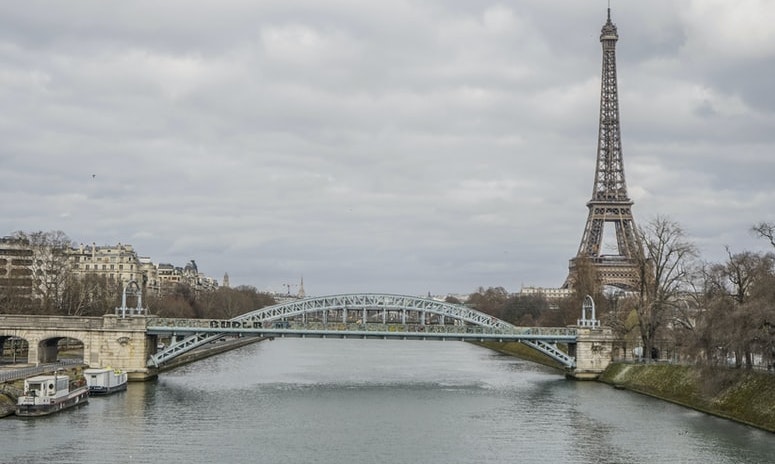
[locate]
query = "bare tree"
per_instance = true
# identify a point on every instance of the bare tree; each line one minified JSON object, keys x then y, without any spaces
{"x":524,"y":310}
{"x":586,"y":282}
{"x":223,"y":303}
{"x":765,"y":230}
{"x":90,"y":295}
{"x":664,"y":270}
{"x":490,"y":301}
{"x":51,"y":266}
{"x":740,"y":307}
{"x":760,"y":316}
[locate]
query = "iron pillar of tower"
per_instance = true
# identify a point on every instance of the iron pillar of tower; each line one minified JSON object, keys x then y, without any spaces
{"x":610,"y":204}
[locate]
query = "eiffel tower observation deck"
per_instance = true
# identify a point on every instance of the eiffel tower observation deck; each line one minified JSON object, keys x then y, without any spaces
{"x":610,"y":205}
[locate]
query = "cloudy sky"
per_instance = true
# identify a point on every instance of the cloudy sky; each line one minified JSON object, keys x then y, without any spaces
{"x":407,"y":146}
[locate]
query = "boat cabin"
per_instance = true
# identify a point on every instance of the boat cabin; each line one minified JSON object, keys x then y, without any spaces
{"x":105,"y":380}
{"x":47,"y":386}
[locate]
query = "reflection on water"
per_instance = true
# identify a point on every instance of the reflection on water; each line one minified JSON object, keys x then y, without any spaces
{"x":335,"y":401}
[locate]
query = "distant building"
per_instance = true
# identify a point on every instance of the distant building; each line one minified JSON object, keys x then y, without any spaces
{"x":118,"y":262}
{"x":150,"y":275}
{"x":169,"y":276}
{"x":122,"y":263}
{"x":547,"y":292}
{"x":21,"y":273}
{"x":16,"y":267}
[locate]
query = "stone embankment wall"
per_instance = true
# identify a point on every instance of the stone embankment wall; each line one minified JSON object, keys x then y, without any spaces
{"x":741,"y":395}
{"x":8,"y":397}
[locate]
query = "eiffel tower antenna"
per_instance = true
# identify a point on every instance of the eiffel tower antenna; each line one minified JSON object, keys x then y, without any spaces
{"x":610,"y":204}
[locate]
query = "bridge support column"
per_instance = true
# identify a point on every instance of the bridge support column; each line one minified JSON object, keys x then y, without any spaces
{"x":593,"y":352}
{"x":32,"y":350}
{"x":47,"y":351}
{"x":123,"y":343}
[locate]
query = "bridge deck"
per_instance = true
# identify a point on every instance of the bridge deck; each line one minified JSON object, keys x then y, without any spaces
{"x":356,"y":330}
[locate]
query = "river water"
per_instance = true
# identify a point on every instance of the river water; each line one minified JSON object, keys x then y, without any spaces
{"x":375,"y":401}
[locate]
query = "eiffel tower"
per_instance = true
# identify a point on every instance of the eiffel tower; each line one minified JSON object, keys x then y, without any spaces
{"x":610,"y":204}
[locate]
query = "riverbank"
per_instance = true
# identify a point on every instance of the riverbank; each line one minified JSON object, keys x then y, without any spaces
{"x":741,"y":395}
{"x":522,"y":351}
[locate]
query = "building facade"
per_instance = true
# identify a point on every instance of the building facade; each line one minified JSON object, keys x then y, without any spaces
{"x":26,"y":271}
{"x":118,"y":262}
{"x":546,"y":292}
{"x":16,"y":267}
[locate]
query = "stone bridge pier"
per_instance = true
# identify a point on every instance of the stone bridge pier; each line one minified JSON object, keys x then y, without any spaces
{"x":593,"y":349}
{"x":108,"y":341}
{"x":593,"y":352}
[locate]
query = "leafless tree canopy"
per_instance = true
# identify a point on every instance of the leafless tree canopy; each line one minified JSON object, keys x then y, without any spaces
{"x":665,"y":267}
{"x":765,"y":230}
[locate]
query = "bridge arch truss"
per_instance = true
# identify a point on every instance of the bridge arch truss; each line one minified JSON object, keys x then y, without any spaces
{"x":372,"y":302}
{"x":422,"y":318}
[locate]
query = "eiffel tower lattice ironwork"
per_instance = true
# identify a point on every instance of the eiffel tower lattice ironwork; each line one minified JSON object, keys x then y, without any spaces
{"x":610,"y":204}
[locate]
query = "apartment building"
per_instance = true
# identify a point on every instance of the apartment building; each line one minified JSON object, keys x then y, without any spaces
{"x":118,"y":262}
{"x":21,"y":276}
{"x":16,"y":267}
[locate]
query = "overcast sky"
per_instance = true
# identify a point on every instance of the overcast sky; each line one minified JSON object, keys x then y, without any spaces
{"x":405,"y":146}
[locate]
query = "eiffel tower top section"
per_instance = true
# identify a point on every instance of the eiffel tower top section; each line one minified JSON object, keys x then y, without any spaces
{"x":609,"y":186}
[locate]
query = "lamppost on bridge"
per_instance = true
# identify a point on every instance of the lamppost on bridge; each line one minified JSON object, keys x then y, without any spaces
{"x":134,"y":290}
{"x":588,"y":307}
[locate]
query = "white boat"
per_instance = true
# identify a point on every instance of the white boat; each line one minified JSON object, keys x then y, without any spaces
{"x":47,"y":394}
{"x":104,"y":380}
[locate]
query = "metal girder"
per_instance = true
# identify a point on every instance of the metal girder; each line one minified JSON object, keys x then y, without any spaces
{"x":551,"y":350}
{"x":376,"y":301}
{"x":187,"y":344}
{"x":478,"y":325}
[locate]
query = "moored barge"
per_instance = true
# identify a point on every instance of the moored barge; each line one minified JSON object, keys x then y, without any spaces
{"x":47,"y":394}
{"x":104,"y":381}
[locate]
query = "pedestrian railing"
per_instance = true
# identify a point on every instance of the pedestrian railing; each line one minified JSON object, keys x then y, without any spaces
{"x":24,"y":372}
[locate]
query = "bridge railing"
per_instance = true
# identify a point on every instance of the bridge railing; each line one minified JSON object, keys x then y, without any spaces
{"x":24,"y":372}
{"x":255,"y":326}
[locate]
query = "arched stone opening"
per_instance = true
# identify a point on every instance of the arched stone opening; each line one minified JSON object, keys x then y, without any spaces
{"x":13,"y":350}
{"x":60,"y":348}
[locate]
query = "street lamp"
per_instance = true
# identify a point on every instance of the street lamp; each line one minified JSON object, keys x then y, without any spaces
{"x":588,"y":307}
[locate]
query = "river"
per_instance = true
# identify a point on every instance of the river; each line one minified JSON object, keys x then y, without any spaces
{"x":376,"y":401}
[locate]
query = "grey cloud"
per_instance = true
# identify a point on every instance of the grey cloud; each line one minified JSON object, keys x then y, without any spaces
{"x":413,"y":146}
